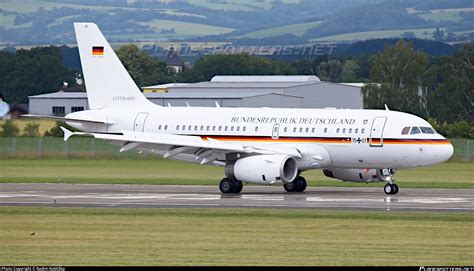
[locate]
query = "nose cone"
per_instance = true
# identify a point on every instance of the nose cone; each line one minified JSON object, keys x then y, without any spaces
{"x":445,"y":152}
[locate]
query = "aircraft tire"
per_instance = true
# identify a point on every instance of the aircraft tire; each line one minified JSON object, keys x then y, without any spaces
{"x":227,"y":186}
{"x":301,"y":187}
{"x":238,"y":185}
{"x":395,"y":189}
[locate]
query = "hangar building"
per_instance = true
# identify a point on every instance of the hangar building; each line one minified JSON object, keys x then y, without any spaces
{"x":227,"y":91}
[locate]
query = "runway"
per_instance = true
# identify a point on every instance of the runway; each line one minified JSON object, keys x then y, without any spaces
{"x":189,"y":196}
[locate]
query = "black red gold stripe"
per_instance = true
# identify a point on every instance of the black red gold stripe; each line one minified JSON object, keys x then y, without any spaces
{"x":338,"y":140}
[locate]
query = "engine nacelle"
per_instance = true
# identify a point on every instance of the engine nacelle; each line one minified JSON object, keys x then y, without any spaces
{"x":263,"y":169}
{"x":360,"y":175}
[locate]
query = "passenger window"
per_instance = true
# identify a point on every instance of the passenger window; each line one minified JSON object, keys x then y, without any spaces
{"x":220,"y":128}
{"x":362,"y":131}
{"x":208,"y":128}
{"x":356,"y":130}
{"x":350,"y":130}
{"x":325,"y":130}
{"x":202,"y":127}
{"x":405,"y":130}
{"x":427,"y":130}
{"x":313,"y":130}
{"x":245,"y":128}
{"x":166,"y":127}
{"x":256,"y":128}
{"x":301,"y":129}
{"x":225,"y":128}
{"x":213,"y":128}
{"x":232,"y":128}
{"x":238,"y":128}
{"x":195,"y":128}
{"x":415,"y":130}
{"x":307,"y":130}
{"x":337,"y":130}
{"x":177,"y":127}
{"x":344,"y":130}
{"x":294,"y":130}
{"x":190,"y":127}
{"x":159,"y":127}
{"x":285,"y":129}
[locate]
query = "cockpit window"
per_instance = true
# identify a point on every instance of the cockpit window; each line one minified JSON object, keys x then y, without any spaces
{"x":427,"y":130}
{"x":415,"y":130}
{"x":405,"y":130}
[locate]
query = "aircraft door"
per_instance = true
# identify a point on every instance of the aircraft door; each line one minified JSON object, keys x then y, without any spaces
{"x":376,"y":132}
{"x":140,"y":119}
{"x":276,"y":131}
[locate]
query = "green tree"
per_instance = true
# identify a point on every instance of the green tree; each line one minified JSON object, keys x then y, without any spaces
{"x":401,"y":79}
{"x":238,"y":64}
{"x":9,"y":129}
{"x":453,"y":100}
{"x":349,"y":71}
{"x":330,"y":70}
{"x":31,"y":129}
{"x":30,"y":72}
{"x":144,"y":69}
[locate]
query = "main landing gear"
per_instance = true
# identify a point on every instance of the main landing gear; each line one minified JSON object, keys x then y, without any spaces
{"x":391,"y":189}
{"x":228,"y":185}
{"x":297,"y":185}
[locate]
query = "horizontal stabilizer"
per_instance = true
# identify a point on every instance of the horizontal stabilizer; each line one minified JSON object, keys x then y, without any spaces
{"x":66,"y":119}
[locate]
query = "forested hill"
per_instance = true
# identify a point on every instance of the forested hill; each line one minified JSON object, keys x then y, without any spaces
{"x":238,"y":21}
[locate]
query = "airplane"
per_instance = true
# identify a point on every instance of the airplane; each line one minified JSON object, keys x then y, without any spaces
{"x":266,"y":146}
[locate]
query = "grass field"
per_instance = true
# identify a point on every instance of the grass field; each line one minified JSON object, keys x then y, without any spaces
{"x":161,"y":171}
{"x":421,"y":33}
{"x":296,"y":29}
{"x":188,"y":29}
{"x":87,"y":236}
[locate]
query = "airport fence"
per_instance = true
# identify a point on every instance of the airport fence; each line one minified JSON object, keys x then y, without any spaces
{"x":90,"y":148}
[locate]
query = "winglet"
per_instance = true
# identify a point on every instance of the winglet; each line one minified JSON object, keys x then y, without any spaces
{"x":67,"y":133}
{"x":386,"y":107}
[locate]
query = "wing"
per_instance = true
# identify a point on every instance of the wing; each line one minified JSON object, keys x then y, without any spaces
{"x":66,"y":119}
{"x":203,"y":149}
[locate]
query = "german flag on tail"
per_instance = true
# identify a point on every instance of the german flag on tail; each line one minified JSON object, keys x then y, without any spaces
{"x":98,"y":50}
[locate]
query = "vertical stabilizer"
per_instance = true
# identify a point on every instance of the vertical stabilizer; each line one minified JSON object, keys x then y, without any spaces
{"x":107,"y":81}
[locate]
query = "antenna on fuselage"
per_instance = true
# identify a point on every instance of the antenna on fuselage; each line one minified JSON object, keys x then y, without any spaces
{"x":169,"y":105}
{"x":217,"y":104}
{"x":187,"y":104}
{"x":386,"y":107}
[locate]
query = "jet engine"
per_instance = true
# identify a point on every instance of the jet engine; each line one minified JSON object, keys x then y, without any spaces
{"x":263,"y":169}
{"x":360,"y":175}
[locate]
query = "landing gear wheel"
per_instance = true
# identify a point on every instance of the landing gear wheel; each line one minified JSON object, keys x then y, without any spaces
{"x":391,"y":189}
{"x":301,"y":184}
{"x":238,"y":185}
{"x":297,"y":185}
{"x":395,"y":189}
{"x":388,"y":189}
{"x":290,"y":187}
{"x":227,"y":186}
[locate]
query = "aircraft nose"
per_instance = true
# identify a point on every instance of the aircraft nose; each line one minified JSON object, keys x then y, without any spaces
{"x":446,"y":152}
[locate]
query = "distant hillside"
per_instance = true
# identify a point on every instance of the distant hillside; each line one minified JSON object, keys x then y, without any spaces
{"x":277,"y":22}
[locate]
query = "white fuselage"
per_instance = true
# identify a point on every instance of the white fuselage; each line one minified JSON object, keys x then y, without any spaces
{"x":343,"y":138}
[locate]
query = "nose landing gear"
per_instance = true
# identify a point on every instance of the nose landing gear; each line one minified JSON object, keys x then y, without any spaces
{"x":391,"y":189}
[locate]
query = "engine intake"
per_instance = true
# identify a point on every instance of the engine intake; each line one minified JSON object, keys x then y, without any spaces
{"x":263,"y":169}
